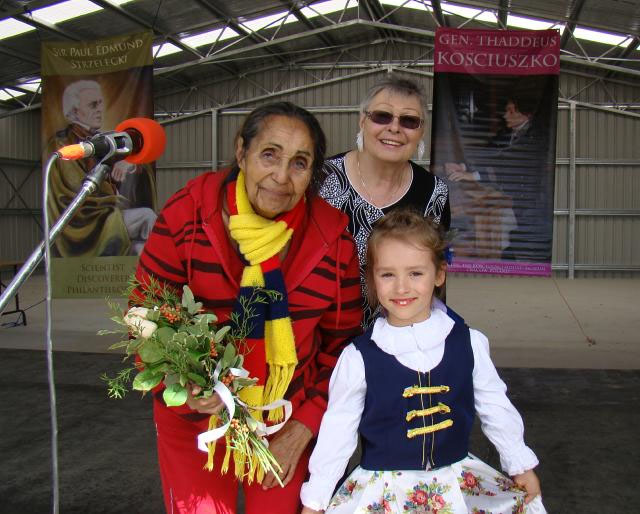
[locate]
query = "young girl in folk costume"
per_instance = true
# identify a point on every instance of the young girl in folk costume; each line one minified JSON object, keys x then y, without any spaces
{"x":411,"y":386}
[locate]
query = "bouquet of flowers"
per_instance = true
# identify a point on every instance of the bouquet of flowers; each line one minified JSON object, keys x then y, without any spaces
{"x":177,"y":344}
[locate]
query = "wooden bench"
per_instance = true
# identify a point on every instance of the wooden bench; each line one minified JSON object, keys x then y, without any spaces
{"x":13,"y":267}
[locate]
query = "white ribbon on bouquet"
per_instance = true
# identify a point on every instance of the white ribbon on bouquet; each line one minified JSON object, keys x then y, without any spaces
{"x":226,"y":396}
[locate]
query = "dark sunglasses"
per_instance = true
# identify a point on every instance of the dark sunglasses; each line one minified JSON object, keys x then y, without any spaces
{"x":404,"y":120}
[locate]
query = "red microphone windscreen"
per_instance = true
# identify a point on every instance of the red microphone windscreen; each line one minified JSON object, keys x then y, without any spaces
{"x":153,"y":139}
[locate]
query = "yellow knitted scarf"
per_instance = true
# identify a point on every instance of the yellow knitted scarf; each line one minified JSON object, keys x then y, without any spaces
{"x":260,"y":240}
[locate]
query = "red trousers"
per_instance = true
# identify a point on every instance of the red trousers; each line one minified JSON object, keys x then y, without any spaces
{"x":190,"y":489}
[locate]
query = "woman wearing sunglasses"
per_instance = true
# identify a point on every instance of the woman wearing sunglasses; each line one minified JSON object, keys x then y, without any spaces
{"x":377,"y":176}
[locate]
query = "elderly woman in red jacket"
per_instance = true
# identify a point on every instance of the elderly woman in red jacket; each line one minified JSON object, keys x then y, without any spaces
{"x":198,"y":240}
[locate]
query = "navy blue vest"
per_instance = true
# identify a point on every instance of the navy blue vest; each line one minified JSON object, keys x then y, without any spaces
{"x":406,"y":427}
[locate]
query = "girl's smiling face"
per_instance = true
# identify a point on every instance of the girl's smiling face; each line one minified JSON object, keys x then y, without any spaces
{"x":405,"y":277}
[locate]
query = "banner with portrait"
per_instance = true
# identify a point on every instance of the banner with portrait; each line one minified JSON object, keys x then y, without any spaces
{"x":493,"y":139}
{"x":87,"y":88}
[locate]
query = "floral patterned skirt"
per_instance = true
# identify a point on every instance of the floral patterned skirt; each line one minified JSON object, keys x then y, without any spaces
{"x":468,"y":486}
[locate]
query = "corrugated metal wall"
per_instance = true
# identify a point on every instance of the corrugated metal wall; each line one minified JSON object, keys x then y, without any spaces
{"x":20,"y":189}
{"x":607,"y":167}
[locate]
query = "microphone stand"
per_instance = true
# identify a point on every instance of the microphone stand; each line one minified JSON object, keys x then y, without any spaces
{"x":90,"y":184}
{"x":111,"y":146}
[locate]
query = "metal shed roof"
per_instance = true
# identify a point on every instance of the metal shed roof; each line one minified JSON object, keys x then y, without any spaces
{"x":302,"y":31}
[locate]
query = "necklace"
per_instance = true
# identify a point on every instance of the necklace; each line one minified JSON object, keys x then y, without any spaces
{"x":384,"y":201}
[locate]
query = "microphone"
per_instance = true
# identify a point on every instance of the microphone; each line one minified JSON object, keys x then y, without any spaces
{"x":136,"y":140}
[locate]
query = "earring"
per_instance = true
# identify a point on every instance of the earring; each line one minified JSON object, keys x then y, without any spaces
{"x":360,"y":141}
{"x":421,"y":146}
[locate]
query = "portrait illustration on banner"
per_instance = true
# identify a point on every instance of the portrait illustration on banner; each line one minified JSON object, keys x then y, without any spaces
{"x":117,"y":218}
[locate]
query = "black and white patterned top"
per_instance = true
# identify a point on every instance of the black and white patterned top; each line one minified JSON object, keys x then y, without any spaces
{"x":426,"y":193}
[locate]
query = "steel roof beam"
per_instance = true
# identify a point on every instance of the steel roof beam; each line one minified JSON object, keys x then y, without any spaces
{"x":531,"y":13}
{"x":373,"y":17}
{"x":603,"y":108}
{"x":142,"y":23}
{"x":438,"y":14}
{"x":376,"y":12}
{"x":23,"y":90}
{"x":379,"y":11}
{"x":633,"y":45}
{"x":571,"y":22}
{"x":503,"y":12}
{"x":33,"y":5}
{"x":295,"y":64}
{"x":49,"y":27}
{"x":19,"y":55}
{"x":168,"y":37}
{"x":626,"y":52}
{"x":600,"y":65}
{"x":258,"y":46}
{"x":11,"y":80}
{"x":596,"y":76}
{"x":325,"y":38}
{"x":231,"y":22}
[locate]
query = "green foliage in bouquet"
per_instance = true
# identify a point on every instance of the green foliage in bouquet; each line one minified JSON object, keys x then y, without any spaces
{"x":178,"y":344}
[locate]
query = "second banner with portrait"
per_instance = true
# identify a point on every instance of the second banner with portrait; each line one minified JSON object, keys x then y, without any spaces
{"x":493,"y":139}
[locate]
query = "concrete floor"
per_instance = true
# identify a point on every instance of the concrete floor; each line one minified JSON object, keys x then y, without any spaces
{"x":530,"y":322}
{"x":581,"y":413}
{"x":554,"y":323}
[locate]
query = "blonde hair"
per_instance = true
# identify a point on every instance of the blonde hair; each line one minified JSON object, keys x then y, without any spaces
{"x":409,"y":226}
{"x":400,"y":85}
